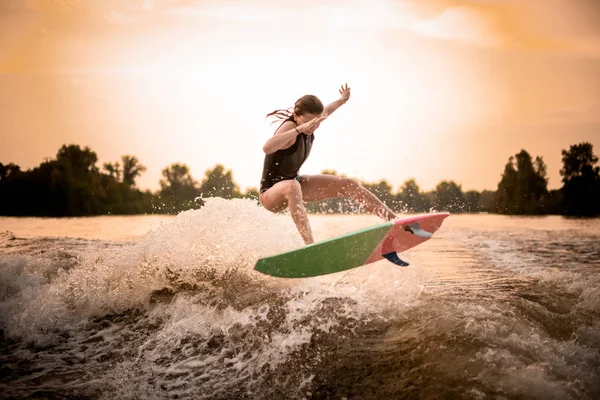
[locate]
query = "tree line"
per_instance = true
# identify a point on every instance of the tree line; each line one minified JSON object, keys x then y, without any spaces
{"x":73,"y":185}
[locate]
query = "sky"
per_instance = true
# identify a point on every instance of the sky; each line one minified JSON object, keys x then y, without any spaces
{"x":441,"y":89}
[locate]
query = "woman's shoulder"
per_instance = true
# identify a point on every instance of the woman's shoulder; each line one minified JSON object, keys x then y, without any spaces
{"x":286,"y":126}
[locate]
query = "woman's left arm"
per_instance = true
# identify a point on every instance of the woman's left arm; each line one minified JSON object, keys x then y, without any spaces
{"x":344,"y":96}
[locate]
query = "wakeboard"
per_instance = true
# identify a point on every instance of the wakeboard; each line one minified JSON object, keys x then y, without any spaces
{"x":354,"y":249}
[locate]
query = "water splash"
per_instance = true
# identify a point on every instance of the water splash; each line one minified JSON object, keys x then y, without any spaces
{"x":202,"y":315}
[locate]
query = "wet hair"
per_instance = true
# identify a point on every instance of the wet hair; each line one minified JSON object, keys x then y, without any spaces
{"x":307,"y":104}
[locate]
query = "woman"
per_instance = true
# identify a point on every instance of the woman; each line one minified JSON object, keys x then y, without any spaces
{"x":281,"y":187}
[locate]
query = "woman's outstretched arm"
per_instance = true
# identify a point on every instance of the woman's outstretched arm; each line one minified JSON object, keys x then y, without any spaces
{"x":344,"y":96}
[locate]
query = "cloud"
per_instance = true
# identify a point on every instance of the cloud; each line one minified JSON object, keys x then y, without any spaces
{"x":232,"y":12}
{"x":460,"y":24}
{"x":75,"y":12}
{"x":552,"y":26}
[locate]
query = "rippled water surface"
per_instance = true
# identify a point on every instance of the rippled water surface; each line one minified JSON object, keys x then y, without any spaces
{"x":169,"y":307}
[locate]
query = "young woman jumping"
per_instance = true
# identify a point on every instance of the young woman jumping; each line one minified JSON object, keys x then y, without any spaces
{"x":281,"y":187}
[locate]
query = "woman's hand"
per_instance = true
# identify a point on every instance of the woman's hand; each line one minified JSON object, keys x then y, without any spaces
{"x":344,"y":93}
{"x":309,"y":127}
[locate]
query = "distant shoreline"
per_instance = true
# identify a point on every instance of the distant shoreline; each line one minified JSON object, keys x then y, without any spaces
{"x":310,"y":213}
{"x":73,"y":185}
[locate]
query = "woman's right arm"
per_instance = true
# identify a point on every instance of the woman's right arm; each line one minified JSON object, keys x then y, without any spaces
{"x":283,"y":138}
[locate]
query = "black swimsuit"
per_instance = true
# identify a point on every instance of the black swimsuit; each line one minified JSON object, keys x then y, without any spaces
{"x":285,"y":164}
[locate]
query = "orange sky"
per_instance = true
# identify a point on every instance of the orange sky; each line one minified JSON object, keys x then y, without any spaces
{"x":441,"y":89}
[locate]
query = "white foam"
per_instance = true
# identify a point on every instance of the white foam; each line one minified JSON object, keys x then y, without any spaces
{"x":216,"y":245}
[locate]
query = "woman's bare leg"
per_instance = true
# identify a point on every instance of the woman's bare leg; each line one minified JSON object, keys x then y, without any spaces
{"x":322,"y":187}
{"x":288,"y":194}
{"x":291,"y":194}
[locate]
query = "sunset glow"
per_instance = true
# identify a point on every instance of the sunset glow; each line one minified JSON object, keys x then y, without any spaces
{"x":440,"y":89}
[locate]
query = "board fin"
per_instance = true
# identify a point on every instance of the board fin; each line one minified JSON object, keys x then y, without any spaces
{"x":415,"y":229}
{"x":393,"y":257}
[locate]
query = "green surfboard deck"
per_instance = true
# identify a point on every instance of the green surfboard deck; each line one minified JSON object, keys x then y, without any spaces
{"x":325,"y":257}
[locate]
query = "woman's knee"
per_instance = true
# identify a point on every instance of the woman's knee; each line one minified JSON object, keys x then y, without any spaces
{"x":292,"y":190}
{"x":273,"y":204}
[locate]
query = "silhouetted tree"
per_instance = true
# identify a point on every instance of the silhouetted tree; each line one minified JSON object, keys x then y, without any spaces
{"x":486,"y":200}
{"x":75,"y":183}
{"x":581,"y":180}
{"x":72,"y":185}
{"x":506,"y":195}
{"x":178,"y":188}
{"x":10,"y":196}
{"x":448,"y":196}
{"x":555,"y":202}
{"x":411,"y":199}
{"x":131,"y":169}
{"x":523,"y":186}
{"x":383,"y":190}
{"x":251,"y":193}
{"x":81,"y":160}
{"x":113,"y":170}
{"x":8,"y":171}
{"x":471,"y":199}
{"x":218,"y":182}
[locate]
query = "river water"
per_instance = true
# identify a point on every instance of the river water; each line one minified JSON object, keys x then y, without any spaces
{"x":159,"y":307}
